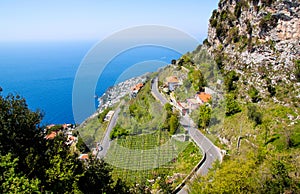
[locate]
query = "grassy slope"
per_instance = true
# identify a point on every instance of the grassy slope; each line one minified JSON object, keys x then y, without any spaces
{"x":144,"y":129}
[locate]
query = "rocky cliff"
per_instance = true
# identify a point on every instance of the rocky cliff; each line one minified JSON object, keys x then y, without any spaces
{"x":260,"y":41}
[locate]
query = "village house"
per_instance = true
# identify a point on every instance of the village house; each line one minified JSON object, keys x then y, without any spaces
{"x":51,"y":135}
{"x":71,"y":139}
{"x":135,"y":89}
{"x":172,"y":82}
{"x":83,"y":157}
{"x":203,"y":97}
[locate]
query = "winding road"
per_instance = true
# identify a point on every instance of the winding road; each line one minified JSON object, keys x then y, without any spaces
{"x":211,"y":152}
{"x":105,"y":143}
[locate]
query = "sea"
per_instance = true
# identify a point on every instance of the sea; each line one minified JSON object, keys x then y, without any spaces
{"x":44,"y":72}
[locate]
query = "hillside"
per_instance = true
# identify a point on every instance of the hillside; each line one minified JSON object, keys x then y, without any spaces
{"x":255,"y":44}
{"x":259,"y":40}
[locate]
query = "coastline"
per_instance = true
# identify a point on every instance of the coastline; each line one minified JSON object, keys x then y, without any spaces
{"x":114,"y":94}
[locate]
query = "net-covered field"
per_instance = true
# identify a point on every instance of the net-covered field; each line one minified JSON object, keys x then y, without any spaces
{"x":139,"y":158}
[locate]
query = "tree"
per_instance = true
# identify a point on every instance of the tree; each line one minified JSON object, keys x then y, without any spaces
{"x":13,"y":182}
{"x":230,"y":80}
{"x":204,"y":116}
{"x":28,"y":162}
{"x":232,"y":106}
{"x":254,"y":115}
{"x":20,"y":133}
{"x":279,"y":181}
{"x":97,"y":179}
{"x":174,"y":124}
{"x":254,"y":94}
{"x":118,"y":132}
{"x":197,"y":79}
{"x":234,"y":176}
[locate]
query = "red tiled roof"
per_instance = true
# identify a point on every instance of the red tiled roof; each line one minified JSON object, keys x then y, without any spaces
{"x":83,"y":157}
{"x":52,"y":135}
{"x":137,"y":87}
{"x":204,"y":97}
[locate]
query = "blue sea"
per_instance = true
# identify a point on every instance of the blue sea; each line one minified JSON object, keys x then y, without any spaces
{"x":43,"y":72}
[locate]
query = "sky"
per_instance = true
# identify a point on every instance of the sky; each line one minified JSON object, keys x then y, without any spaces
{"x":54,"y":20}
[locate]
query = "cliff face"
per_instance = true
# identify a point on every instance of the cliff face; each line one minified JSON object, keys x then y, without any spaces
{"x":259,"y":40}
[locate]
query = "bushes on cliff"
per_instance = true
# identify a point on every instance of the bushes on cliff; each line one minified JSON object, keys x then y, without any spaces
{"x":254,"y":115}
{"x":229,"y":81}
{"x":297,"y":72}
{"x":232,"y":106}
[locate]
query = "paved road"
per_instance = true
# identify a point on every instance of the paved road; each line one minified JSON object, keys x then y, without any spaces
{"x":156,"y":93}
{"x":213,"y":153}
{"x":105,"y":143}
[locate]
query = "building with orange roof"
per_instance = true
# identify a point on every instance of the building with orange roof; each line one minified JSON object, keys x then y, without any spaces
{"x":52,"y":135}
{"x":135,"y":89}
{"x":203,"y":97}
{"x":83,"y":157}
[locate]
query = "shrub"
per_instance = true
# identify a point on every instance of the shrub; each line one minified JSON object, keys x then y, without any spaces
{"x":204,"y":116}
{"x":229,"y":80}
{"x":254,"y":94}
{"x":254,"y":115}
{"x":232,"y":106}
{"x":219,"y":61}
{"x":102,"y":115}
{"x":118,"y":132}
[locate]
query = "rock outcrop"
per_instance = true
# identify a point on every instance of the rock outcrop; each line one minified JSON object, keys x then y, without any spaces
{"x":259,"y":40}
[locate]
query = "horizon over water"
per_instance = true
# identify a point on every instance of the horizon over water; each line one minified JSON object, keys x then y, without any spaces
{"x":43,"y":72}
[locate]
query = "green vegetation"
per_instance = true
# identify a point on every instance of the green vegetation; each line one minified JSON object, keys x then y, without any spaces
{"x":197,"y":79}
{"x":170,"y":164}
{"x":229,"y":81}
{"x":171,"y":123}
{"x":254,"y":94}
{"x":143,"y":114}
{"x":92,"y":130}
{"x":118,"y":132}
{"x":102,"y":115}
{"x":297,"y":72}
{"x":254,"y":115}
{"x":31,"y":164}
{"x":232,"y":106}
{"x":265,"y":162}
{"x":204,"y":116}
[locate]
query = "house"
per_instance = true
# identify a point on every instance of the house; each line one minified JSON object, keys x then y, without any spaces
{"x":135,"y":89}
{"x":83,"y":157}
{"x":203,"y":97}
{"x":52,"y":135}
{"x":192,"y":103}
{"x":71,"y":139}
{"x":109,"y":115}
{"x":172,"y":82}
